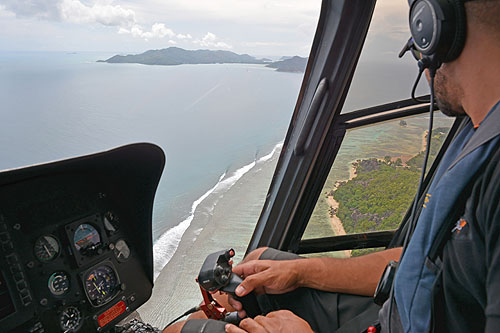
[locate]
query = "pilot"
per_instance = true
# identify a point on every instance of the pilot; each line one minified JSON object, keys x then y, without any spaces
{"x":460,"y":290}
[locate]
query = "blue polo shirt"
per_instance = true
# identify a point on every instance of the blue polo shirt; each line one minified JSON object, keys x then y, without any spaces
{"x":462,"y":163}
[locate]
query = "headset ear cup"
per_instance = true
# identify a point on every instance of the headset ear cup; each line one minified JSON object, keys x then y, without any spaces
{"x":460,"y":31}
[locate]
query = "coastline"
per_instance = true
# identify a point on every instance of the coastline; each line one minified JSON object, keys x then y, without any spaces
{"x":225,"y":219}
{"x":336,"y":223}
{"x":333,"y":205}
{"x":424,"y":140}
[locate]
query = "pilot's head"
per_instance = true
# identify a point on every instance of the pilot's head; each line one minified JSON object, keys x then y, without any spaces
{"x":462,"y":40}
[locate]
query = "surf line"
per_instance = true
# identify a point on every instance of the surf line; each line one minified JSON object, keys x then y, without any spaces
{"x":165,"y":247}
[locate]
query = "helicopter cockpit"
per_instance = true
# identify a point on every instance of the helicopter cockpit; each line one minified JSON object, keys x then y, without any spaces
{"x":76,"y":236}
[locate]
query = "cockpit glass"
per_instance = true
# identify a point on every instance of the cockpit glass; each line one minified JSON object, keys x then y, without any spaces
{"x":376,"y":171}
{"x":380,"y":76}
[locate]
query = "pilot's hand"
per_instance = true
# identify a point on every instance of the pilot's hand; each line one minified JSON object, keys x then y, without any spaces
{"x":265,"y":276}
{"x":277,"y":321}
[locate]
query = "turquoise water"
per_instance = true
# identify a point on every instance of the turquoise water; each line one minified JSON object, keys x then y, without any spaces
{"x":209,"y":119}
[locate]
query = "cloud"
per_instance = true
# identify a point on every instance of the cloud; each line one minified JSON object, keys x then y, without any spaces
{"x":76,"y":12}
{"x":73,"y":11}
{"x":158,"y":30}
{"x":42,"y":9}
{"x":211,"y":40}
{"x":181,"y":36}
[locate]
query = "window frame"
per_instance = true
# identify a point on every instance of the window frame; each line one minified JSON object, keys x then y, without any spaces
{"x":316,"y":133}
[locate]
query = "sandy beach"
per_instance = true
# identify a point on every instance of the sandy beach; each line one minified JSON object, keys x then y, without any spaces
{"x":336,"y":223}
{"x":222,"y":221}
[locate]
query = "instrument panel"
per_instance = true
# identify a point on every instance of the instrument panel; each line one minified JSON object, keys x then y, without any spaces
{"x":76,"y":248}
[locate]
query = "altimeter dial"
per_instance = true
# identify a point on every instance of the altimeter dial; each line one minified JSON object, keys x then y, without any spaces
{"x":46,"y":248}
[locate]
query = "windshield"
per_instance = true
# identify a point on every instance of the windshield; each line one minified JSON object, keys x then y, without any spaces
{"x":81,"y":76}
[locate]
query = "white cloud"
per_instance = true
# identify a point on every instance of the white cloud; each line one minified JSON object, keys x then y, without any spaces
{"x":181,"y":36}
{"x":210,"y":40}
{"x":76,"y":12}
{"x":158,"y":30}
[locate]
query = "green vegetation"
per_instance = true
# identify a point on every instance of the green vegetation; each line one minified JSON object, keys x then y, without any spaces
{"x":377,"y":198}
{"x":379,"y":195}
{"x":438,"y":136}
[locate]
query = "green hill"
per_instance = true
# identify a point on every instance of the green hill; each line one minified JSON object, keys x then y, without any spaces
{"x":294,"y":64}
{"x":177,"y":56}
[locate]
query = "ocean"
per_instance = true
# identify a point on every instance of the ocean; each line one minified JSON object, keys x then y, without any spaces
{"x":221,"y":127}
{"x":214,"y":122}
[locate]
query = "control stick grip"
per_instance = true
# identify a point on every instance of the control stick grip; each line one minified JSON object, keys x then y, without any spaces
{"x":249,"y":301}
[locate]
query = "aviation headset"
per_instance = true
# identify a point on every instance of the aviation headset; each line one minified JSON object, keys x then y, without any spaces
{"x":438,"y":30}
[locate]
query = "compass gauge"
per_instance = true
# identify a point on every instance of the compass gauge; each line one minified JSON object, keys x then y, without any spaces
{"x":101,"y":285}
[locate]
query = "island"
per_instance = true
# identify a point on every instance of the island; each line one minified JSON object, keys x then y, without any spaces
{"x":376,"y":196}
{"x":294,"y":64}
{"x":177,"y":56}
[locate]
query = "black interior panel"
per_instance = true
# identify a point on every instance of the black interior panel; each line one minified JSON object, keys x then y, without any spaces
{"x":76,"y":246}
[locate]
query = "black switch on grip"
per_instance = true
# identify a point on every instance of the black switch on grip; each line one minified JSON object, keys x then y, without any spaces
{"x":216,"y":274}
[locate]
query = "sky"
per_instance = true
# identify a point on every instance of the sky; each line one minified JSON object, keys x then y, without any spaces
{"x":256,"y":27}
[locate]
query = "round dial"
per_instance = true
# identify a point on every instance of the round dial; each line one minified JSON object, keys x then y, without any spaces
{"x":100,"y":284}
{"x":122,"y":251}
{"x":46,"y":248}
{"x":86,"y":237}
{"x":58,"y":283}
{"x":71,"y":319}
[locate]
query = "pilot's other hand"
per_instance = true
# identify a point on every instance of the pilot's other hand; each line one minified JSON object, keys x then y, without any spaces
{"x":277,"y":321}
{"x":265,"y":276}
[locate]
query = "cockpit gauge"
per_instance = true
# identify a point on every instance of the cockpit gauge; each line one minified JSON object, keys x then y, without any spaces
{"x":70,"y":319}
{"x":122,"y":251}
{"x":58,"y":283}
{"x":101,"y":285}
{"x":46,"y":248}
{"x":86,"y":237}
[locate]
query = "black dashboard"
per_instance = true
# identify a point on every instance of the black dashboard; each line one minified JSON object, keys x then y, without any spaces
{"x":75,"y":240}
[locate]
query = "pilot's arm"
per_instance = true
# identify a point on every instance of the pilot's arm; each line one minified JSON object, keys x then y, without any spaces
{"x":357,"y":275}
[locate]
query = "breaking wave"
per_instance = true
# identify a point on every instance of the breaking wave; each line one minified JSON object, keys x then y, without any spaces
{"x":165,"y":247}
